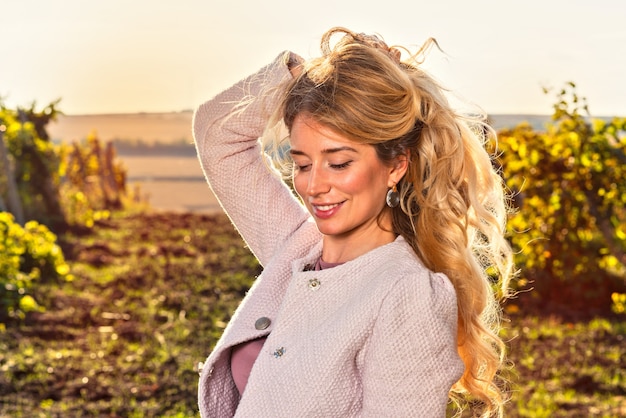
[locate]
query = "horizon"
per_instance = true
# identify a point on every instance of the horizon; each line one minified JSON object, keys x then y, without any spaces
{"x":173,"y":127}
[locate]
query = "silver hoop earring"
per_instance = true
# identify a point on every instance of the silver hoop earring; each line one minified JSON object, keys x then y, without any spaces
{"x":393,"y":197}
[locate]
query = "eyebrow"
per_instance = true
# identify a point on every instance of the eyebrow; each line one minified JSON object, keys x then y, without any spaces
{"x":325,"y":151}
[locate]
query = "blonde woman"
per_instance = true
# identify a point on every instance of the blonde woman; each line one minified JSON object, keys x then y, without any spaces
{"x":376,"y":298}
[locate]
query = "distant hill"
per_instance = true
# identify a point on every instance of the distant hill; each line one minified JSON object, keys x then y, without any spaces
{"x":502,"y":121}
{"x":175,"y":127}
{"x":147,"y":128}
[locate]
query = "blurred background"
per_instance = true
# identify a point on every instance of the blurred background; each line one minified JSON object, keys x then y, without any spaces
{"x":118,"y":269}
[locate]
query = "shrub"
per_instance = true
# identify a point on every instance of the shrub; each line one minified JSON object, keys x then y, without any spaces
{"x":27,"y":254}
{"x":570,"y":227}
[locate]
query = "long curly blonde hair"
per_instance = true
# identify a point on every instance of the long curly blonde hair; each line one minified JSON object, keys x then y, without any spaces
{"x":453,"y":205}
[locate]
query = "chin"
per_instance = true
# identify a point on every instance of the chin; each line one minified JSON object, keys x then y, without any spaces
{"x":331,"y":230}
{"x":326,"y":229}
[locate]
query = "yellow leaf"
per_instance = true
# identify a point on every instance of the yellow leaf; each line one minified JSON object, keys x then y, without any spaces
{"x":29,"y":304}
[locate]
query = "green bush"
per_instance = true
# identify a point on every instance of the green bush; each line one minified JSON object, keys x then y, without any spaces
{"x":35,"y":163}
{"x":27,"y":254}
{"x":60,"y":185}
{"x":570,"y":227}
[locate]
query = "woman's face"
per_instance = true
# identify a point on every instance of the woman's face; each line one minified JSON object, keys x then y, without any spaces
{"x":342,"y":183}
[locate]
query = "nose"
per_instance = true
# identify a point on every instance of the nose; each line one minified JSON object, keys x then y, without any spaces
{"x":318,"y":181}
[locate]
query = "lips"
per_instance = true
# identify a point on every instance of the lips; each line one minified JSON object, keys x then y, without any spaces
{"x":325,"y":211}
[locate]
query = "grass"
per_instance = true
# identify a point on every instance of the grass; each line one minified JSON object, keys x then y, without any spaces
{"x":153,"y":293}
{"x":567,"y":369}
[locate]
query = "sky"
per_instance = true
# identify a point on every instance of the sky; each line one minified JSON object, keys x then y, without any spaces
{"x":126,"y":56}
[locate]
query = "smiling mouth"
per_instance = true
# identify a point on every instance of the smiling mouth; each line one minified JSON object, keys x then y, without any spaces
{"x":325,"y":211}
{"x":325,"y":208}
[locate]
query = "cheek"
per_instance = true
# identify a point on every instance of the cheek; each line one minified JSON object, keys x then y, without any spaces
{"x":371,"y":187}
{"x":299,"y":183}
{"x":362,"y":181}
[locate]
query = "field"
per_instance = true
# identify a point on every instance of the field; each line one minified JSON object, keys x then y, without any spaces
{"x":172,"y":183}
{"x":157,"y":151}
{"x":153,"y":291}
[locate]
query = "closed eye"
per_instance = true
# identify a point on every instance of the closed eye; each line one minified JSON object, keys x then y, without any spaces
{"x":341,"y":166}
{"x":302,"y":167}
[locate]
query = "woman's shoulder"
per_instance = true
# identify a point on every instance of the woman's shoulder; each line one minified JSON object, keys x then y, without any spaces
{"x":396,"y":258}
{"x":399,"y":267}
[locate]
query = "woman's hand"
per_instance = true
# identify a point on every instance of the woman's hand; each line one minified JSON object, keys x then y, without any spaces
{"x":294,"y":63}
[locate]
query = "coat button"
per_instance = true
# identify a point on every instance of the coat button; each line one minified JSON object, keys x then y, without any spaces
{"x":262,"y":323}
{"x":314,"y":284}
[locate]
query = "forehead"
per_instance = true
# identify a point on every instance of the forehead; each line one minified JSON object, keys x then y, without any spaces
{"x":307,"y":133}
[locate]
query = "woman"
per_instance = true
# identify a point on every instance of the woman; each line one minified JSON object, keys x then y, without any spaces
{"x":374,"y":299}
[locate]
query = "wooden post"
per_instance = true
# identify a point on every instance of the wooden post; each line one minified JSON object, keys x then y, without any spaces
{"x":3,"y":207}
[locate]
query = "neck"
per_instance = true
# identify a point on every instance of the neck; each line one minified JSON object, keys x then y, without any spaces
{"x":345,"y":247}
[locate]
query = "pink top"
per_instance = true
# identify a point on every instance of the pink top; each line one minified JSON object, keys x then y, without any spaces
{"x":241,"y":360}
{"x":245,"y":354}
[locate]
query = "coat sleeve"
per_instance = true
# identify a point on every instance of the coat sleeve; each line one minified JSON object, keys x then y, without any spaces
{"x":411,"y":361}
{"x":226,"y":132}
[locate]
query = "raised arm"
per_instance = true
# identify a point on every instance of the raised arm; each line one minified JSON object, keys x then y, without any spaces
{"x":226,"y":131}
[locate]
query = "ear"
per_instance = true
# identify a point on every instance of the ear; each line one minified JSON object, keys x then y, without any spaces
{"x":398,"y":169}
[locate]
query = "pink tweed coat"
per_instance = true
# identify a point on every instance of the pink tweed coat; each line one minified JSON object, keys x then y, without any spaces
{"x":374,"y":337}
